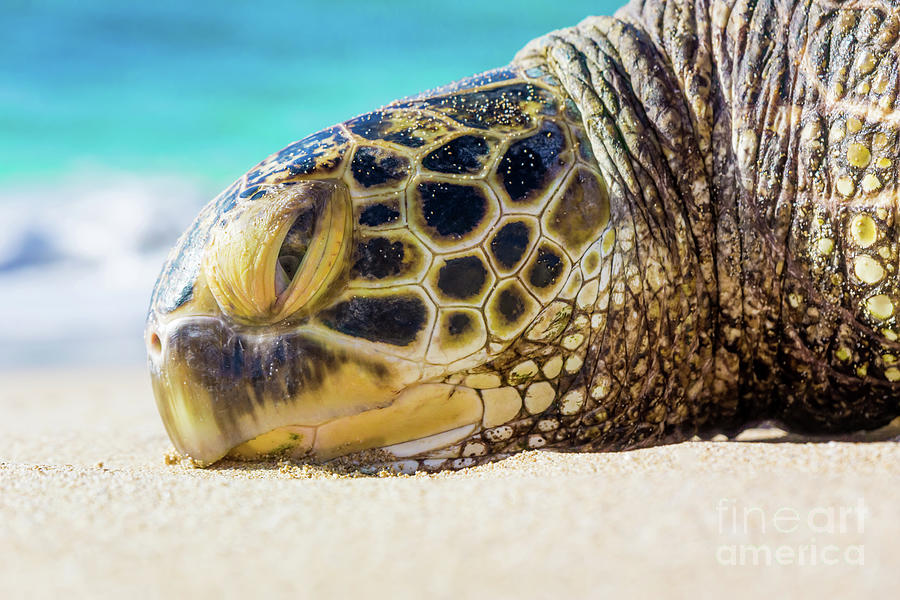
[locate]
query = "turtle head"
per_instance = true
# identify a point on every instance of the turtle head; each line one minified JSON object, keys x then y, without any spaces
{"x":332,"y":299}
{"x":303,"y":333}
{"x":316,"y":306}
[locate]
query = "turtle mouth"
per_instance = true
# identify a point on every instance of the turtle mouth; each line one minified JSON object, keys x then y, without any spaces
{"x":223,"y":391}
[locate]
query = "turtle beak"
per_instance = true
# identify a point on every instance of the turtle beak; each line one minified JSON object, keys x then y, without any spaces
{"x":222,"y":390}
{"x":198,"y":368}
{"x":217,"y":388}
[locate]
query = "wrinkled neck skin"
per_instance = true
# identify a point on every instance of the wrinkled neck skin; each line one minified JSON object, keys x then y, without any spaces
{"x":658,"y":367}
{"x":752,"y":148}
{"x":702,"y":285}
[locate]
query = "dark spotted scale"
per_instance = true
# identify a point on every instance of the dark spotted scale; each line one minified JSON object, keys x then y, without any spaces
{"x":463,"y":277}
{"x":459,"y":323}
{"x":546,"y":268}
{"x":451,"y":210}
{"x":464,"y":154}
{"x":378,"y":258}
{"x":373,"y":167}
{"x":509,"y":243}
{"x":511,"y":305}
{"x":378,"y":214}
{"x":529,"y":164}
{"x":395,"y":320}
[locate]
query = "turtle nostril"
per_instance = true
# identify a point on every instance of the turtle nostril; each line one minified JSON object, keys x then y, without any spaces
{"x":155,"y":345}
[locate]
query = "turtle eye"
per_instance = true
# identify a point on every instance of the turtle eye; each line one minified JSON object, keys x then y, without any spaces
{"x":294,"y":248}
{"x":277,"y":253}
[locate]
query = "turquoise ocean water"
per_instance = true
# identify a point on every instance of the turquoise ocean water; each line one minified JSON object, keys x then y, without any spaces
{"x":119,"y":120}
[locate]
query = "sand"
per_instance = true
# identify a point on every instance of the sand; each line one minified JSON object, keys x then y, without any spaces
{"x":89,"y":507}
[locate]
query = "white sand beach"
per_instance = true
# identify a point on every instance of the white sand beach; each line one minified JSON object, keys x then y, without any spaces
{"x":89,"y":507}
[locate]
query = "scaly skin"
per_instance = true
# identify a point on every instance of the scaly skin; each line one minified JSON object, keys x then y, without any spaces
{"x":675,"y":221}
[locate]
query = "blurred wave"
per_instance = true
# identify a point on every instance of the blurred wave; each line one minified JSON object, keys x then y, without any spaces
{"x":78,"y":258}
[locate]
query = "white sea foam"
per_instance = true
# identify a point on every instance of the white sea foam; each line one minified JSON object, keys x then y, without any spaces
{"x":78,"y":259}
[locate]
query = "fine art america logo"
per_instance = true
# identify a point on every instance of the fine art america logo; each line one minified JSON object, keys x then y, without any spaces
{"x":812,"y":536}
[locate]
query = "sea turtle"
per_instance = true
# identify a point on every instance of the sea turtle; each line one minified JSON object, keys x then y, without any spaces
{"x":678,"y":220}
